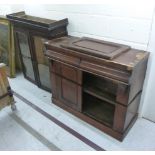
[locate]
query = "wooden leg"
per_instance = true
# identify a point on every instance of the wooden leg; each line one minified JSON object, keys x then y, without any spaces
{"x":13,"y":107}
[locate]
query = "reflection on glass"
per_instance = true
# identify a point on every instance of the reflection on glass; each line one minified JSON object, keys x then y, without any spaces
{"x":28,"y":68}
{"x":26,"y":56}
{"x":23,"y":43}
{"x":43,"y":64}
{"x":44,"y":75}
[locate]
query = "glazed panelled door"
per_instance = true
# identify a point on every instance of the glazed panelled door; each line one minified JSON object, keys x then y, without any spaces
{"x":26,"y":56}
{"x":42,"y":63}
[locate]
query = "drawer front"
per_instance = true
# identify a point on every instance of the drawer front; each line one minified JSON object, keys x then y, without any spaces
{"x":106,"y":71}
{"x":66,"y":71}
{"x":69,"y":72}
{"x":68,"y":59}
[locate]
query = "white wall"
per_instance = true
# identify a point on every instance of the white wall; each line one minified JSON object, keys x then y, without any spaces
{"x":129,"y":22}
{"x":148,"y":96}
{"x":121,"y":23}
{"x":6,"y":9}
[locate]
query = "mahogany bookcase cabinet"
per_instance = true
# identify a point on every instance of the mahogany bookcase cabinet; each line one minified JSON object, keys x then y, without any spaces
{"x":99,"y":82}
{"x":30,"y":31}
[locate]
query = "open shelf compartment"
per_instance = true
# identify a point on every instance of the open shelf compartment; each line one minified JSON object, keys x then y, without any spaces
{"x":98,"y":109}
{"x":99,"y":87}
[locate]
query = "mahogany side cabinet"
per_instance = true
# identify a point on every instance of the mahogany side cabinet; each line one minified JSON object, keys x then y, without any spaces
{"x":100,"y":82}
{"x":29,"y":32}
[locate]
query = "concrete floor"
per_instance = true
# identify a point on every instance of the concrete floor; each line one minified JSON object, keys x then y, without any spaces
{"x":27,"y":129}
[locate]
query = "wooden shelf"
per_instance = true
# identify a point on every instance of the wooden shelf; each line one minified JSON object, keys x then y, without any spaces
{"x":99,"y":87}
{"x":94,"y":91}
{"x":98,"y":109}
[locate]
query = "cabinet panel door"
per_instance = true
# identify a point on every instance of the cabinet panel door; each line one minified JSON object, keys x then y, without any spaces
{"x":70,"y":93}
{"x":67,"y":71}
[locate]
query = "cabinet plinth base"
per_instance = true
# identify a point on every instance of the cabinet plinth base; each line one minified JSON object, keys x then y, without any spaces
{"x":102,"y":127}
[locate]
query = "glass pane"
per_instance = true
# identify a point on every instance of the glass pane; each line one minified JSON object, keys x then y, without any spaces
{"x":28,"y":68}
{"x":44,"y":75}
{"x":4,"y":38}
{"x":43,"y":63}
{"x":24,"y":45}
{"x":41,"y":59}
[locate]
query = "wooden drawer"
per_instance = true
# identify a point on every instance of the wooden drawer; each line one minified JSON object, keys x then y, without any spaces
{"x":68,"y":59}
{"x":67,"y":71}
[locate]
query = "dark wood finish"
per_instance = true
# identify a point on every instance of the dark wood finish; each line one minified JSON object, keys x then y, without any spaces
{"x":97,"y":82}
{"x":69,"y":72}
{"x":98,"y":109}
{"x":29,"y":33}
{"x":98,"y":48}
{"x":70,"y":94}
{"x":66,"y":89}
{"x":39,"y":26}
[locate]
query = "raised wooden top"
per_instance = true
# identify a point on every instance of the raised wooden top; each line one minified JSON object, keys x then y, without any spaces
{"x":96,"y":47}
{"x":20,"y":18}
{"x":97,"y":51}
{"x":23,"y":16}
